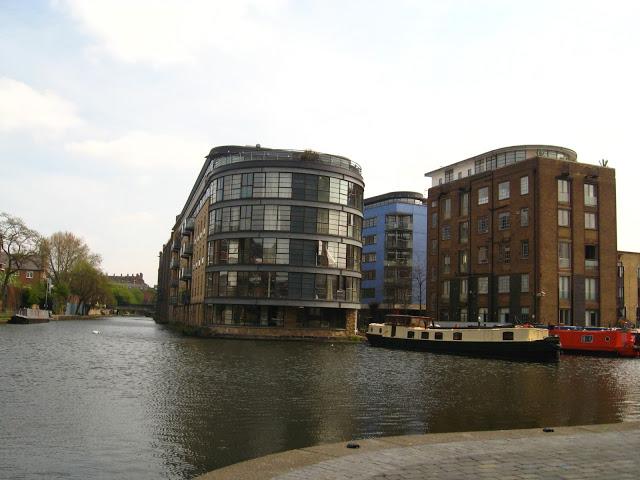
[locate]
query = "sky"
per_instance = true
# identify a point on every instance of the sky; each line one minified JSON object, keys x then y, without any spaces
{"x":108,"y":107}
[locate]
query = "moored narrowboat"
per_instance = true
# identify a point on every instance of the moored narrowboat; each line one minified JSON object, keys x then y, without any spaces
{"x":598,"y":341}
{"x":420,"y":333}
{"x":26,"y":316}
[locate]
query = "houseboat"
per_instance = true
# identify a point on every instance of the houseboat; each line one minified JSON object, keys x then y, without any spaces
{"x":30,"y":315}
{"x":598,"y":341}
{"x":508,"y":341}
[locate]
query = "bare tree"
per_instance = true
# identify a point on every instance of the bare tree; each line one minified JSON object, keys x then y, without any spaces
{"x":64,"y":252}
{"x":19,"y":244}
{"x":419,"y":275}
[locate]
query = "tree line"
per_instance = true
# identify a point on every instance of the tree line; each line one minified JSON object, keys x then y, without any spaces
{"x":71,"y":269}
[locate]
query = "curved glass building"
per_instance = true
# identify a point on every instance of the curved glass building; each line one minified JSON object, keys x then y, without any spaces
{"x":276,"y":242}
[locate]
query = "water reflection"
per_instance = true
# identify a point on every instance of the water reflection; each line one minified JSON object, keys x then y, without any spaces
{"x":140,"y":401}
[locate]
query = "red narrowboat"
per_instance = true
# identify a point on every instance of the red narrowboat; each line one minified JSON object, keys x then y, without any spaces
{"x":598,"y":341}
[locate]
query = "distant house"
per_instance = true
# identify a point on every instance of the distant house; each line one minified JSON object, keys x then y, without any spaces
{"x":29,"y":272}
{"x":135,"y":280}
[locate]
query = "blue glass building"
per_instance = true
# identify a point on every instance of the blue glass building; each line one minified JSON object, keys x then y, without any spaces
{"x":394,"y":253}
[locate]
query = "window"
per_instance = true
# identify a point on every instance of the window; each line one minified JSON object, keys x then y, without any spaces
{"x":483,"y":224}
{"x":524,"y":248}
{"x":463,"y":261}
{"x":483,"y":314}
{"x":446,"y":289}
{"x":438,"y":336}
{"x":446,"y":264}
{"x":504,"y":221}
{"x":368,"y":293}
{"x":505,"y":253}
{"x":369,"y":222}
{"x":503,"y":284}
{"x":563,"y":217}
{"x":563,"y":191}
{"x":464,"y":204}
{"x":590,"y":195}
{"x":434,"y":219}
{"x":434,"y":246}
{"x":448,"y":175}
{"x":424,"y":335}
{"x":563,"y":287}
{"x":591,"y":318}
{"x":564,"y":254}
{"x":446,"y":232}
{"x":591,"y":257}
{"x":368,"y":275}
{"x":369,"y":239}
{"x":503,"y":315}
{"x":524,"y":217}
{"x":507,"y":335}
{"x":591,"y":289}
{"x":524,"y":283}
{"x":369,"y":257}
{"x":590,"y":221}
{"x":503,"y":190}
{"x":524,"y":185}
{"x":28,"y":274}
{"x":463,"y":232}
{"x":457,"y":335}
{"x":483,"y":285}
{"x":564,"y":316}
{"x":483,"y":255}
{"x":524,"y":314}
{"x":446,"y":208}
{"x":586,"y":339}
{"x":464,"y":289}
{"x":411,"y":334}
{"x":483,"y":195}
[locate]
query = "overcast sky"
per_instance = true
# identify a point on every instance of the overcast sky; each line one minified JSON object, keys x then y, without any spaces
{"x":108,"y":107}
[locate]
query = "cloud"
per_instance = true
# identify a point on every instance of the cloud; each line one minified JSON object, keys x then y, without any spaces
{"x":143,"y":150}
{"x":24,"y":108}
{"x":172,"y":31}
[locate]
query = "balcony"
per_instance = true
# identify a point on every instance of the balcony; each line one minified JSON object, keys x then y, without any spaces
{"x":185,"y":274}
{"x":188,"y":225}
{"x":398,"y":244}
{"x":400,"y":262}
{"x":187,"y":250}
{"x":398,"y":226}
{"x":175,"y":246}
{"x":175,"y":264}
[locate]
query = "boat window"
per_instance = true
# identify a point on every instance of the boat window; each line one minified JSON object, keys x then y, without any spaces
{"x":424,"y":335}
{"x":438,"y":336}
{"x":457,"y":335}
{"x":411,"y":334}
{"x":587,"y":339}
{"x":507,"y":335}
{"x":607,"y":339}
{"x":380,"y":329}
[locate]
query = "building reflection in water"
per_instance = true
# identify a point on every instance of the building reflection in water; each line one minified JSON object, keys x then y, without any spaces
{"x":217,"y":402}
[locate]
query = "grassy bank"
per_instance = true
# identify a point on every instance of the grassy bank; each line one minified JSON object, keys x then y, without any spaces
{"x":5,"y":317}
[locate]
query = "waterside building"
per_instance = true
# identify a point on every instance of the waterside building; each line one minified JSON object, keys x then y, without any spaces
{"x":523,"y":234}
{"x":394,"y":258}
{"x":267,"y":244}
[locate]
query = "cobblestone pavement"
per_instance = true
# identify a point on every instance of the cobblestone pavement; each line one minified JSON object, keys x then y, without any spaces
{"x":591,"y":452}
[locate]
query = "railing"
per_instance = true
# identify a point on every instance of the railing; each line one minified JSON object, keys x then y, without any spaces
{"x":398,"y":262}
{"x":185,"y":274}
{"x":175,"y":245}
{"x":188,"y":225}
{"x":187,"y":250}
{"x":399,"y":226}
{"x":591,"y":264}
{"x":324,"y":158}
{"x":399,"y":244}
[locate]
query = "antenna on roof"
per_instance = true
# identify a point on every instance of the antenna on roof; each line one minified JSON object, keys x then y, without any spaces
{"x":604,"y":162}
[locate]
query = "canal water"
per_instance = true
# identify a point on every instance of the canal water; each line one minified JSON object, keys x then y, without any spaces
{"x":140,"y":401}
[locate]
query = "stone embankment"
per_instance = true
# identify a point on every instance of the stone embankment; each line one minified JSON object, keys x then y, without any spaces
{"x":593,"y":451}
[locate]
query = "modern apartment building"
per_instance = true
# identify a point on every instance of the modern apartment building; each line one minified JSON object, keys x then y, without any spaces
{"x":394,"y":258}
{"x":523,"y":234}
{"x":628,"y":288}
{"x":267,"y":244}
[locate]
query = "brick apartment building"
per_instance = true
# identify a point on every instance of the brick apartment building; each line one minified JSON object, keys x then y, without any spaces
{"x":523,"y":234}
{"x":628,"y":287}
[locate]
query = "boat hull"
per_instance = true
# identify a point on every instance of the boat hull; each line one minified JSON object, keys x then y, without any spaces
{"x":603,"y":342}
{"x":538,"y":350}
{"x":20,"y":320}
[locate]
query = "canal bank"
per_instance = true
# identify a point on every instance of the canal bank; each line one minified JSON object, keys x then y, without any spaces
{"x":590,"y":451}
